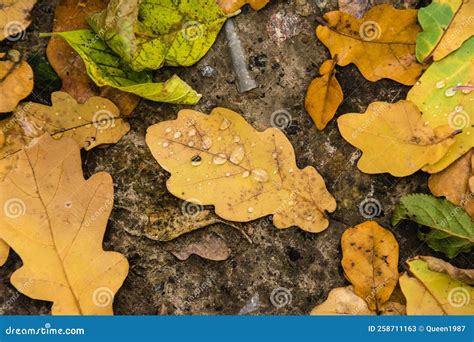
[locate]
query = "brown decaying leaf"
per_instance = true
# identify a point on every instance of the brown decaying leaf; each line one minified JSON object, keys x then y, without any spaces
{"x":169,"y":223}
{"x":71,"y":15}
{"x":441,"y":266}
{"x":220,"y":160}
{"x":324,"y":95}
{"x":212,"y":247}
{"x":15,"y":18}
{"x":231,"y":6}
{"x":55,"y":220}
{"x":370,"y":262}
{"x":381,"y":45}
{"x":16,"y":81}
{"x":456,"y":183}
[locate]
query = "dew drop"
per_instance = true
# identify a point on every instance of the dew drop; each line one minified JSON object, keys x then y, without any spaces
{"x":228,"y":174}
{"x":177,"y":134}
{"x":190,"y":143}
{"x":236,"y":139}
{"x":192,"y":132}
{"x":450,"y":92}
{"x":260,"y":175}
{"x":290,"y":170}
{"x":196,"y":160}
{"x":245,"y":174}
{"x":440,"y":84}
{"x":219,"y":159}
{"x":459,"y":109}
{"x":237,"y":155}
{"x":68,"y":204}
{"x":250,"y":210}
{"x":224,"y":124}
{"x":168,"y":130}
{"x":275,"y":155}
{"x":206,"y":142}
{"x":166,"y":144}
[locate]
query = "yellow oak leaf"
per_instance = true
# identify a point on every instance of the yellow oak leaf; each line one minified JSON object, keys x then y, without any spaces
{"x":370,"y":262}
{"x":324,"y":95}
{"x":16,"y":80}
{"x":381,"y":44}
{"x":94,"y":123}
{"x":231,"y":6}
{"x":435,"y":293}
{"x":394,"y":138}
{"x":220,"y":160}
{"x":453,"y":183}
{"x":55,"y":221}
{"x":15,"y":18}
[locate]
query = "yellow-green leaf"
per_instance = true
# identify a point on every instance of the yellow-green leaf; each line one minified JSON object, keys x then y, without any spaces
{"x":444,"y":95}
{"x":435,"y":293}
{"x":446,"y":25}
{"x":151,"y":34}
{"x":107,"y":69}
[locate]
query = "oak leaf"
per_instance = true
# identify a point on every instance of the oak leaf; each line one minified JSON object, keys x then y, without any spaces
{"x":324,"y":95}
{"x":444,"y":95}
{"x":231,"y":6}
{"x":453,"y":183}
{"x":94,"y":123}
{"x":220,"y":160}
{"x":381,"y":45}
{"x":435,"y":293}
{"x":71,"y":15}
{"x":446,"y":25}
{"x":55,"y":221}
{"x":370,"y":262}
{"x":394,"y":138}
{"x":15,"y":18}
{"x":16,"y":80}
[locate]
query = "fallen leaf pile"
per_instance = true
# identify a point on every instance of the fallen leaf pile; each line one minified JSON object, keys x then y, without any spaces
{"x":434,"y":287}
{"x":220,"y":160}
{"x":71,"y":15}
{"x":45,"y":194}
{"x":370,"y":262}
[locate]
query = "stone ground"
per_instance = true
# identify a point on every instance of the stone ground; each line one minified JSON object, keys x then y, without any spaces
{"x":307,"y":265}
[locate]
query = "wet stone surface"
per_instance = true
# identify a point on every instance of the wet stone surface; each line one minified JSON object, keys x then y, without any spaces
{"x":306,"y":266}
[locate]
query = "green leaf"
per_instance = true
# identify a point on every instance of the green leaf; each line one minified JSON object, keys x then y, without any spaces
{"x":106,"y":68}
{"x":446,"y":25}
{"x":45,"y":76}
{"x":154,"y":33}
{"x":441,"y":98}
{"x":452,"y":230}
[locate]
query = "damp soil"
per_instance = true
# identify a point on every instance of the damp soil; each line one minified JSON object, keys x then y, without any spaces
{"x":306,"y":265}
